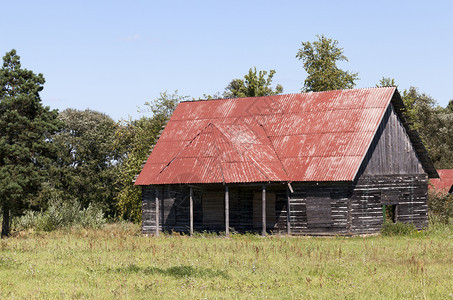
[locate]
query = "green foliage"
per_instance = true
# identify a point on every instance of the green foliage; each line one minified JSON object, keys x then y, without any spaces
{"x":419,"y":107}
{"x":134,"y":138}
{"x":449,"y":107}
{"x":433,"y":123}
{"x":209,"y":97}
{"x":320,"y":62}
{"x":85,"y":170}
{"x":440,"y":207}
{"x":386,"y":82}
{"x":254,"y":84}
{"x":61,"y":215}
{"x":26,"y":128}
{"x":398,"y":228}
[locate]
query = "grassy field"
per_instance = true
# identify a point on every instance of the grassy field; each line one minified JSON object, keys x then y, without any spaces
{"x":117,"y":262}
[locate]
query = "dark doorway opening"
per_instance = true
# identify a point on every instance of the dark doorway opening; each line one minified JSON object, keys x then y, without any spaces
{"x":390,"y":213}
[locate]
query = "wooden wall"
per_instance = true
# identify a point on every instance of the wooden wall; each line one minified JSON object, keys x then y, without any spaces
{"x":314,"y":209}
{"x":391,"y":151}
{"x":391,"y":174}
{"x":320,"y":208}
{"x":408,"y":192}
{"x":329,"y":208}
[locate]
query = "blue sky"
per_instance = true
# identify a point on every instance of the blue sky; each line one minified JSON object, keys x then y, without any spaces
{"x":113,"y":56}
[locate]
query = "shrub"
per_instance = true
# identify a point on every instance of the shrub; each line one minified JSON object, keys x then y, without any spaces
{"x":28,"y":220}
{"x":61,"y":215}
{"x":91,"y":217}
{"x":440,"y":207}
{"x":398,"y":228}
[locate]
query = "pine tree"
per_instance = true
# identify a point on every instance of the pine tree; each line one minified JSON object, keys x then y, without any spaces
{"x":26,"y":127}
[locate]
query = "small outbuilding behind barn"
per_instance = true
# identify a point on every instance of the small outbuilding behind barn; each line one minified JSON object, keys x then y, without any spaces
{"x":443,"y":184}
{"x":336,"y":162}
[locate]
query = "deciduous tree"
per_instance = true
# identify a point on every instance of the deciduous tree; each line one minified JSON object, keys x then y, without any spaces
{"x":320,"y":62}
{"x":86,"y":166}
{"x":434,"y":124}
{"x":134,"y":138}
{"x":386,"y":82}
{"x":254,"y":84}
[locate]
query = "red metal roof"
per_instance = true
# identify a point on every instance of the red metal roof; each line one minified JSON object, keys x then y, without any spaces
{"x":298,"y":137}
{"x":443,"y":184}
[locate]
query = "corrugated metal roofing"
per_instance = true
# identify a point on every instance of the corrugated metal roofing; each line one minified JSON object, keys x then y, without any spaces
{"x":444,"y":183}
{"x":298,"y":137}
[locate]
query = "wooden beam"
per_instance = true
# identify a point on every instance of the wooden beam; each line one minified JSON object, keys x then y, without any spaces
{"x":157,"y":211}
{"x":288,"y":210}
{"x":227,"y":212}
{"x":290,"y":187}
{"x":191,"y":211}
{"x":263,"y":213}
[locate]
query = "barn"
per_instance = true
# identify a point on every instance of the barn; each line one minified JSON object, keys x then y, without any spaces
{"x":325,"y":163}
{"x":443,"y":184}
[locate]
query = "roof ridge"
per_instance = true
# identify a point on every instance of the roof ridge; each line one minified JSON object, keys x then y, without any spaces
{"x":289,"y":94}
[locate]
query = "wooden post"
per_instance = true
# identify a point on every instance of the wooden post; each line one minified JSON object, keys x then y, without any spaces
{"x":157,"y":212}
{"x":227,"y":212}
{"x":263,"y":233}
{"x":191,"y":211}
{"x":288,"y":211}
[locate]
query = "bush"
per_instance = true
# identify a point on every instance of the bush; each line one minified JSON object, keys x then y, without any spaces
{"x":61,"y":215}
{"x":398,"y":228}
{"x":440,"y":207}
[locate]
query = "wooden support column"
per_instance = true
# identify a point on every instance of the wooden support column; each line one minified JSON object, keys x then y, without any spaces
{"x":288,"y":211}
{"x":157,"y":211}
{"x":263,"y":213}
{"x":227,"y":212}
{"x":191,"y":211}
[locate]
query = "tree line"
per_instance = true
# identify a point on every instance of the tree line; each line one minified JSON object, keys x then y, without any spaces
{"x":84,"y":156}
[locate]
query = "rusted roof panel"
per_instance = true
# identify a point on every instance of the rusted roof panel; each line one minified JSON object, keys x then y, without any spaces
{"x":312,"y":168}
{"x":240,"y":172}
{"x":444,"y":183}
{"x":164,"y":149}
{"x":149,"y":173}
{"x":193,"y":170}
{"x":322,"y":144}
{"x":298,"y":137}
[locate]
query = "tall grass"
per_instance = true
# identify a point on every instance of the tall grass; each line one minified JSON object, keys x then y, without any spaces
{"x":118,"y":262}
{"x":398,"y":228}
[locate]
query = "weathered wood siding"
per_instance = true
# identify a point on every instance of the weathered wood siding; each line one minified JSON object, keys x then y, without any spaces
{"x":408,"y":192}
{"x":173,"y":208}
{"x":391,"y":174}
{"x":391,"y":151}
{"x":320,"y":209}
{"x":148,"y":209}
{"x":335,"y":208}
